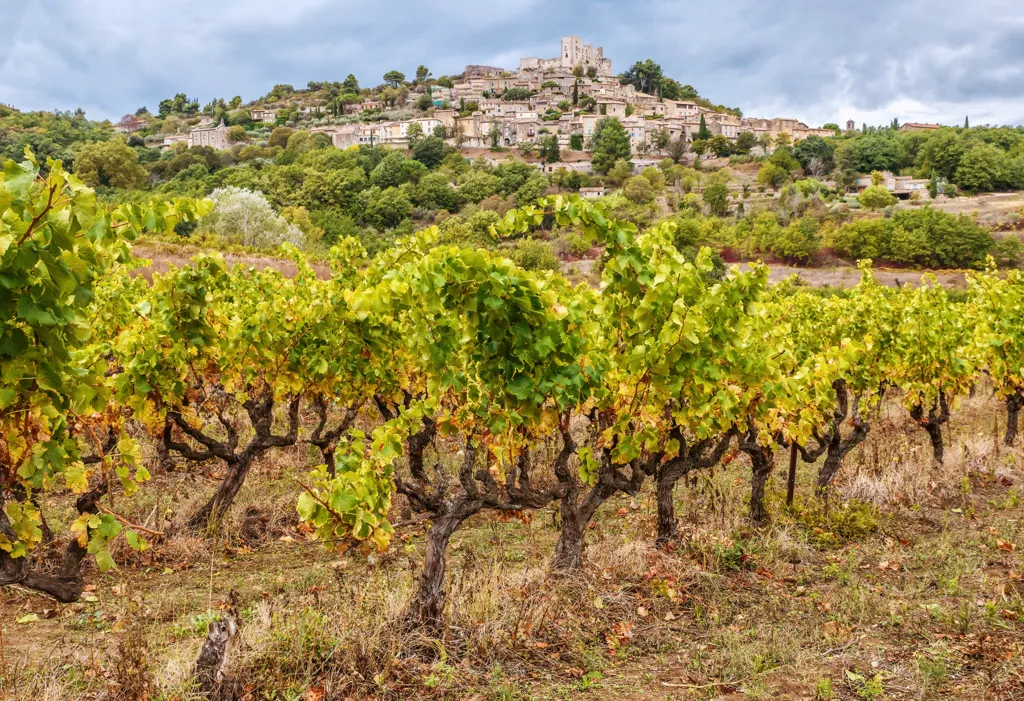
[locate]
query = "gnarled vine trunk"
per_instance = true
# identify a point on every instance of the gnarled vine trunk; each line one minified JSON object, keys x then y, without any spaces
{"x":837,"y":447}
{"x":577,"y":512}
{"x":762,"y":461}
{"x":479,"y":491}
{"x":937,"y":415}
{"x":67,"y":585}
{"x":238,"y":463}
{"x":691,"y":457}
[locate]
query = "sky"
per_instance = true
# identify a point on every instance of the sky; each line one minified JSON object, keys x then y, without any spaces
{"x":870,"y":60}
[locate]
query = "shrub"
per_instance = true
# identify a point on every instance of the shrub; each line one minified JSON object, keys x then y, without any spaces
{"x":531,"y":254}
{"x":797,"y":242}
{"x":877,"y":197}
{"x":771,"y":175}
{"x":920,"y":237}
{"x":638,"y":189}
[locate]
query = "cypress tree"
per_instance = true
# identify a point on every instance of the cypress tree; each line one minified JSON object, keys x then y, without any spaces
{"x":703,"y":133}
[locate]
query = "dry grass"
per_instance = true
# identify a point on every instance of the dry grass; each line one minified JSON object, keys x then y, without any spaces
{"x":163,"y":256}
{"x":908,"y":576}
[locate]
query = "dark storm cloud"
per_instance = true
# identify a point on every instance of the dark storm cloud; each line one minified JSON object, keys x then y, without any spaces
{"x":870,"y":61}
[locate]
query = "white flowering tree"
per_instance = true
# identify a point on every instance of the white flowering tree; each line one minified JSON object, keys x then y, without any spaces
{"x":245,"y":216}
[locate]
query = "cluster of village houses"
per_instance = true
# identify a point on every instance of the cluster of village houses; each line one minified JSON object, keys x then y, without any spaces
{"x":549,"y":82}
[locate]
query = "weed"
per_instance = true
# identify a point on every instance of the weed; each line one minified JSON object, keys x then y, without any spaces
{"x":867,"y":689}
{"x":933,"y":672}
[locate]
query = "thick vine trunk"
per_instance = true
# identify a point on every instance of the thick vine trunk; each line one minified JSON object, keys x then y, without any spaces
{"x":569,"y":548}
{"x":219,"y":504}
{"x":575,"y":520}
{"x":935,"y":437}
{"x":427,"y":607}
{"x":1013,"y":407}
{"x":835,"y":447}
{"x":692,"y":457}
{"x":828,"y":469}
{"x":67,"y":585}
{"x":932,"y":423}
{"x":762,"y":461}
{"x":761,"y":464}
{"x":667,"y":530}
{"x":238,"y":462}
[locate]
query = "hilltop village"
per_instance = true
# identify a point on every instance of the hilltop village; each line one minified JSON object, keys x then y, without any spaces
{"x":490,"y":107}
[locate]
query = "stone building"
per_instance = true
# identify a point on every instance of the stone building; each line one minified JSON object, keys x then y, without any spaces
{"x":212,"y":136}
{"x":574,"y":53}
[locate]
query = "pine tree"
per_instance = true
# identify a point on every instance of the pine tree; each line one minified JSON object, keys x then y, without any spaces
{"x":610,"y":144}
{"x":967,"y":122}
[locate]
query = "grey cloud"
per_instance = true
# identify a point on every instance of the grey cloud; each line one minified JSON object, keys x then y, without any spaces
{"x":934,"y":60}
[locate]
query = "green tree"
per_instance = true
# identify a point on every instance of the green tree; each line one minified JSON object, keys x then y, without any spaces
{"x":435,"y":192}
{"x":350,"y":85}
{"x":610,"y":144}
{"x":771,"y":175}
{"x":549,"y":150}
{"x":720,"y":146}
{"x":429,"y":151}
{"x":783,"y":157}
{"x":477,"y":185}
{"x":745,"y":142}
{"x":798,"y":242}
{"x":533,"y":189}
{"x":880,"y":151}
{"x":424,"y":103}
{"x":703,"y":132}
{"x":394,"y":78}
{"x":815,"y":147}
{"x":699,"y":146}
{"x":645,"y":76}
{"x":716,"y":197}
{"x":414,"y":133}
{"x":619,"y":172}
{"x":422,"y":73}
{"x":110,"y":164}
{"x":660,"y":138}
{"x":516,"y":94}
{"x":638,"y":189}
{"x":942,"y":152}
{"x":279,"y":137}
{"x":576,"y":142}
{"x":387,"y":208}
{"x":877,"y":197}
{"x":981,"y":169}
